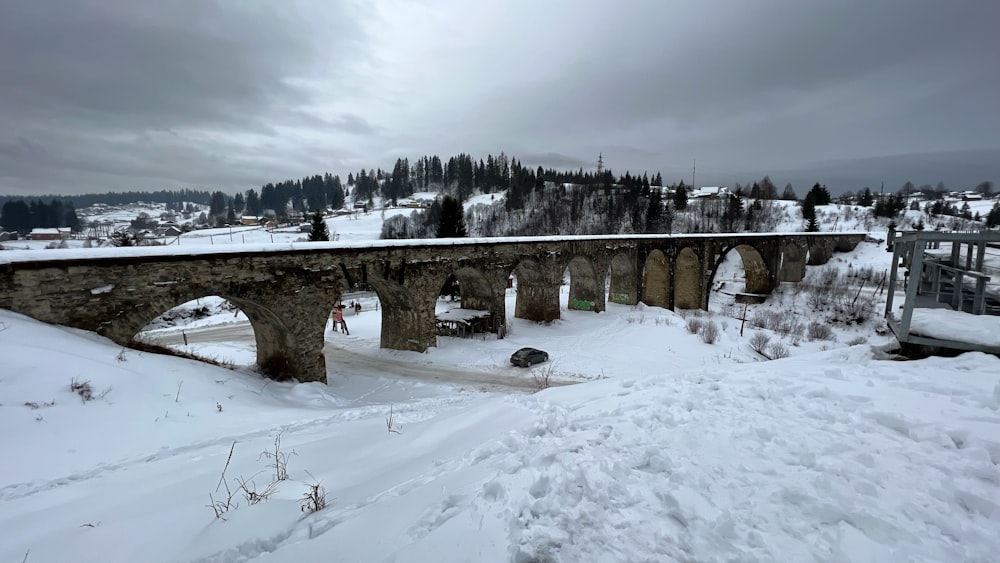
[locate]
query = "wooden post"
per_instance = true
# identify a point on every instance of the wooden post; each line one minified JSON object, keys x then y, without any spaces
{"x":892,"y":281}
{"x":916,"y":268}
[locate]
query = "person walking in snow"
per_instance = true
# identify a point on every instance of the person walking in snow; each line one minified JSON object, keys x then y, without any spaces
{"x":339,"y":318}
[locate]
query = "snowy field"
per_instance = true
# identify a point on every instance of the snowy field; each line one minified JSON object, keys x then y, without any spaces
{"x":650,"y":444}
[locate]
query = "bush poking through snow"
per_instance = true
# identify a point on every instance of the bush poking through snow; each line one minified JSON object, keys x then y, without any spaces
{"x":857,"y":340}
{"x":819,"y":331}
{"x":780,"y":322}
{"x":37,"y":405}
{"x":85,"y":390}
{"x":251,"y":493}
{"x":543,"y":376}
{"x":777,"y":350}
{"x":759,"y":342}
{"x":632,"y":319}
{"x":709,"y":332}
{"x":223,"y":505}
{"x":248,"y":487}
{"x":315,"y":498}
{"x":693,"y":325}
{"x":391,"y":424}
{"x":278,"y":458}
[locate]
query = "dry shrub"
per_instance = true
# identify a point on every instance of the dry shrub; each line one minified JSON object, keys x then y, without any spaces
{"x":759,"y":342}
{"x":781,"y":322}
{"x":819,"y":331}
{"x":314,"y":499}
{"x":278,"y":458}
{"x":709,"y":332}
{"x":84,"y":389}
{"x":250,"y":492}
{"x":777,"y":350}
{"x":693,"y":325}
{"x":543,"y":376}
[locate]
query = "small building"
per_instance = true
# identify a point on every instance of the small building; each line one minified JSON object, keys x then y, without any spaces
{"x":463,"y":323}
{"x":168,"y":231}
{"x":250,"y":220}
{"x":49,"y":234}
{"x":710,"y":192}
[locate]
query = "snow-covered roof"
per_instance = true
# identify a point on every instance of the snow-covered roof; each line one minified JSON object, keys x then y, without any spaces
{"x":461,"y":314}
{"x":708,"y":191}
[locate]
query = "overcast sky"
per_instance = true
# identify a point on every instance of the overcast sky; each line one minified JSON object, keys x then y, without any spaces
{"x":103,"y":95}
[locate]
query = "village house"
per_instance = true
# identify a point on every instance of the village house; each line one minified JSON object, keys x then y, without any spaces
{"x":710,"y":192}
{"x":61,"y":233}
{"x":168,"y":231}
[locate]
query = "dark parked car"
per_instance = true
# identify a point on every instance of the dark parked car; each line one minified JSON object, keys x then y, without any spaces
{"x":528,"y":356}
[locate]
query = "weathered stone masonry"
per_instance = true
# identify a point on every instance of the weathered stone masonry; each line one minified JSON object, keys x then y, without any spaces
{"x":287,"y":293}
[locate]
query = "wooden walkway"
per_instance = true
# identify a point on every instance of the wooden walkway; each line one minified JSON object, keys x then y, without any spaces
{"x":955,"y":280}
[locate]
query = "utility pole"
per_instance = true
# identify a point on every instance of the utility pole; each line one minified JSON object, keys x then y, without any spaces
{"x":694,"y":162}
{"x":600,"y":167}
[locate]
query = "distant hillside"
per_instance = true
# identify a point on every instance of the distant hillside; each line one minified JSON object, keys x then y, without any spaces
{"x":959,"y":170}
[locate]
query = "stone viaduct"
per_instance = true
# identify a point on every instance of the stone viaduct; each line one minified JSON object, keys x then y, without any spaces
{"x":287,"y":292}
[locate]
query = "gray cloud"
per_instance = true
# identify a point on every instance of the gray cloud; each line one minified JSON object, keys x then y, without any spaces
{"x":104,"y":95}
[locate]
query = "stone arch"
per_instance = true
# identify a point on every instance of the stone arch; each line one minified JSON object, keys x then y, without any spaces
{"x":820,"y":251}
{"x":793,"y":263}
{"x":758,"y":279}
{"x":687,"y":280}
{"x":476,"y":289}
{"x":277,"y":347}
{"x":656,"y":280}
{"x":622,"y":288}
{"x":847,"y":244}
{"x":585,"y":291}
{"x":478,"y":292}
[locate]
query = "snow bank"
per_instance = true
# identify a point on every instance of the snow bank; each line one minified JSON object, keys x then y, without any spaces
{"x":956,"y":325}
{"x":822,"y":457}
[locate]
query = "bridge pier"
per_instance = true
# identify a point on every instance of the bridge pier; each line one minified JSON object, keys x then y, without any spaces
{"x":586,"y":287}
{"x":537,"y":291}
{"x":793,"y":263}
{"x":624,"y":280}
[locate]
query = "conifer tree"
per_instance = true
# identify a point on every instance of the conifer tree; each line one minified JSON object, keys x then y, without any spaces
{"x":318,"y":231}
{"x":789,"y":193}
{"x":452,"y":222}
{"x":866,"y":199}
{"x":681,"y":197}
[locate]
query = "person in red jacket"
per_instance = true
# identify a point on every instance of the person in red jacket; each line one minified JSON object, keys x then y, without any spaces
{"x":338,"y":319}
